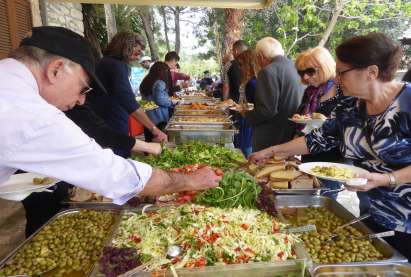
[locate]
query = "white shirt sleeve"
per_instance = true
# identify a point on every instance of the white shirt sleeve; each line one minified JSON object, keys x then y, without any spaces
{"x":56,"y":147}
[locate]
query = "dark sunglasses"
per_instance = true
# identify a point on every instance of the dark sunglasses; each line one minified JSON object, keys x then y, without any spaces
{"x":309,"y":71}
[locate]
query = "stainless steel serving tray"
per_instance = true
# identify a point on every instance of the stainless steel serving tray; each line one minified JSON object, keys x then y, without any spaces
{"x":215,"y":133}
{"x":182,"y":112}
{"x":305,"y":201}
{"x":10,"y":256}
{"x":296,"y":268}
{"x":364,"y":270}
{"x":196,"y":120}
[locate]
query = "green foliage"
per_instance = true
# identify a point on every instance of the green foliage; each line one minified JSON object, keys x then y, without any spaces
{"x":300,"y":24}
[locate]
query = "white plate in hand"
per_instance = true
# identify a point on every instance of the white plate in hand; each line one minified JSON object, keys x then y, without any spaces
{"x":307,"y":168}
{"x":19,"y":186}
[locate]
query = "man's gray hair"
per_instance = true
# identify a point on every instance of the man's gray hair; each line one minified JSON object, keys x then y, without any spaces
{"x":269,"y":48}
{"x":34,"y":55}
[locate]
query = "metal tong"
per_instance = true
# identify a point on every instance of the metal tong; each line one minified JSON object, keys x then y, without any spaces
{"x":355,"y":220}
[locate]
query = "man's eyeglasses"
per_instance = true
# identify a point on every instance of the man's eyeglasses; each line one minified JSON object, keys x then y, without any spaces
{"x":309,"y":71}
{"x":86,"y":88}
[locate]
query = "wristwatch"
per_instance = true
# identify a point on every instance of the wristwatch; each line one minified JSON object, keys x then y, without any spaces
{"x":393,"y":181}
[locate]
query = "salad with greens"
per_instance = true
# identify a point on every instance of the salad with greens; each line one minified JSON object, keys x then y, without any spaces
{"x":206,"y":236}
{"x":236,"y":189}
{"x":195,"y":152}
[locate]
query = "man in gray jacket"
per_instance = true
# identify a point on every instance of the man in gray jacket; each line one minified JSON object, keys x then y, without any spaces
{"x":277,"y":97}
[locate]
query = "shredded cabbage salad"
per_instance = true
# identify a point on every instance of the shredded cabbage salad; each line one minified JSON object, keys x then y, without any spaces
{"x":206,"y":236}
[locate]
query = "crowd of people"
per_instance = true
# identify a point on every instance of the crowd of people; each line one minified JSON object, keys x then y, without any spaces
{"x":76,"y":129}
{"x":367,"y":110}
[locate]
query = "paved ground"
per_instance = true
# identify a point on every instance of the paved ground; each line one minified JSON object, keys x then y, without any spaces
{"x":12,"y":224}
{"x":12,"y":220}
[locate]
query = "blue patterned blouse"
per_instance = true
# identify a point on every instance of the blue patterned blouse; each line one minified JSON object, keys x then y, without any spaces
{"x":389,"y":134}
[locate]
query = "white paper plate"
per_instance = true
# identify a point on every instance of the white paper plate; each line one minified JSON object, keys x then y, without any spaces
{"x":316,"y":122}
{"x":307,"y":167}
{"x":19,"y":186}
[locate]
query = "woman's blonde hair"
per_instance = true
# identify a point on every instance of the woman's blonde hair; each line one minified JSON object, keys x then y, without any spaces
{"x":247,"y":61}
{"x":319,"y":58}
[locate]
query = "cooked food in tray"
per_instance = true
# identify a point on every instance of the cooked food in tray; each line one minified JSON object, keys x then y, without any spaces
{"x":318,"y":243}
{"x":199,"y":112}
{"x":206,"y":236}
{"x":69,"y":246}
{"x":200,"y":119}
{"x":226,"y":104}
{"x":195,"y":106}
{"x":148,"y":105}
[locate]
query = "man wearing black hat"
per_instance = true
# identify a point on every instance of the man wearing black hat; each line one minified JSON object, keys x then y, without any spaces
{"x":49,"y":73}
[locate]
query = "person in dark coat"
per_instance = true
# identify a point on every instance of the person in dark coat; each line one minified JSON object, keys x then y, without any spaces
{"x":277,"y":97}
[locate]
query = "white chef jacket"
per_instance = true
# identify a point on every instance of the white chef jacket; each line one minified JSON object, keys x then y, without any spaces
{"x":37,"y":137}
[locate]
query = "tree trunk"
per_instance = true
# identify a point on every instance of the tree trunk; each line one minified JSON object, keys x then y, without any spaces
{"x":89,"y":33}
{"x":177,"y":28}
{"x":110,"y":22}
{"x":146,"y":17}
{"x":163,"y":14}
{"x":339,"y":6}
{"x":234,"y":26}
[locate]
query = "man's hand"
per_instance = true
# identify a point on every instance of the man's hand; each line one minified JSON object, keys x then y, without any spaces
{"x":154,"y":148}
{"x":159,"y":136}
{"x":204,"y":178}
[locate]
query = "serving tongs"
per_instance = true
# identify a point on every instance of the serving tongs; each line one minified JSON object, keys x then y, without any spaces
{"x":355,"y":220}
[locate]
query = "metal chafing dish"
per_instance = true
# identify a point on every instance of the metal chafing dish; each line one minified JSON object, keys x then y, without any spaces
{"x":201,"y":120}
{"x":295,"y":268}
{"x":114,"y":226}
{"x":211,"y":112}
{"x":364,"y":270}
{"x":209,"y":133}
{"x":305,"y":201}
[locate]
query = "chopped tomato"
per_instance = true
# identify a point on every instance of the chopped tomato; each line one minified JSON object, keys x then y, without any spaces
{"x":248,"y":249}
{"x":218,"y":172}
{"x":135,"y":238}
{"x":245,"y":226}
{"x":281,"y":254}
{"x":200,"y":262}
{"x":286,"y":239}
{"x":238,"y":249}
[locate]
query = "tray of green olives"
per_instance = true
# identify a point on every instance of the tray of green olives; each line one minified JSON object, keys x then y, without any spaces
{"x":68,"y":245}
{"x":327,"y":214}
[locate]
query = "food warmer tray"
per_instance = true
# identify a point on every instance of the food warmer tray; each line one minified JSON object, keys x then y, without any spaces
{"x":10,"y":256}
{"x":221,"y":134}
{"x":176,"y":120}
{"x":306,"y":201}
{"x":295,"y":268}
{"x":211,"y":112}
{"x":364,"y":270}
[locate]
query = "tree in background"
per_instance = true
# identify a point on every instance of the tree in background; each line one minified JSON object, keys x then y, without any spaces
{"x":300,"y":24}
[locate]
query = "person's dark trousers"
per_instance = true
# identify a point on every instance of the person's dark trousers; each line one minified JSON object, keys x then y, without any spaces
{"x":149,"y":136}
{"x":41,"y":206}
{"x":400,"y":241}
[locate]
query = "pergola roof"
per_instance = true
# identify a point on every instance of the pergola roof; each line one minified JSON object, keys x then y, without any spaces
{"x":235,"y":4}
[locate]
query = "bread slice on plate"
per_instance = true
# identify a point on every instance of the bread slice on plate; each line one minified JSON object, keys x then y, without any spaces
{"x":81,"y":195}
{"x":279,"y":185}
{"x":302,"y":182}
{"x":283,"y":175}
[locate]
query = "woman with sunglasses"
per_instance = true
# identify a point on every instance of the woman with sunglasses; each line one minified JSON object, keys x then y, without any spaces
{"x":316,"y":68}
{"x":372,"y":128}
